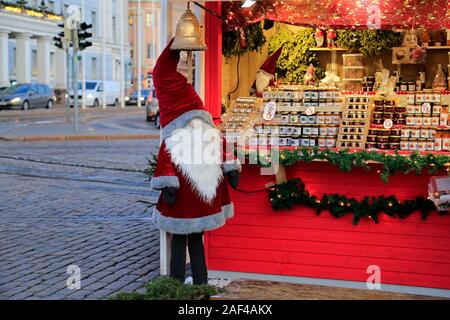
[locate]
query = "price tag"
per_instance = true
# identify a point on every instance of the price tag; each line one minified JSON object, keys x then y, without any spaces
{"x":388,"y":123}
{"x":269,"y":110}
{"x":426,"y":107}
{"x":310,"y":111}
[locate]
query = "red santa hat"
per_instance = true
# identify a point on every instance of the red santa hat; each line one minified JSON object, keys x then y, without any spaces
{"x":178,"y":101}
{"x":269,"y":65}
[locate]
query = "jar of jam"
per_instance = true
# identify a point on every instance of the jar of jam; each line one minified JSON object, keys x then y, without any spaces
{"x":395,"y":146}
{"x":378,"y":115}
{"x":400,"y":109}
{"x":384,"y":132}
{"x":388,"y":115}
{"x":336,"y":118}
{"x":328,"y":118}
{"x":388,"y":109}
{"x":320,"y":118}
{"x":381,"y":139}
{"x":383,"y":146}
{"x":371,"y":145}
{"x":404,"y":145}
{"x":373,"y":131}
{"x":379,"y":102}
{"x":378,"y":121}
{"x":396,"y":131}
{"x":399,"y":115}
{"x":389,"y":102}
{"x":405,"y":132}
{"x":378,"y":108}
{"x":394,"y":139}
{"x":400,"y":121}
{"x":371,"y":138}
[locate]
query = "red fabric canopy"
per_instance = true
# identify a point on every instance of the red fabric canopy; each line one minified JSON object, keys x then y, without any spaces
{"x":344,"y":14}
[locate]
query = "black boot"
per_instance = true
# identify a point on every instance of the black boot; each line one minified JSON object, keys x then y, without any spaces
{"x":178,"y":257}
{"x":197,"y":255}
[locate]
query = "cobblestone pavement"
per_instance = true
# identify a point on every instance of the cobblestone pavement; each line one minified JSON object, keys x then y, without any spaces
{"x":75,"y":203}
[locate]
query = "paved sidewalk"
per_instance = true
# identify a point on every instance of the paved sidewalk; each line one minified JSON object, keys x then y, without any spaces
{"x":94,"y":124}
{"x":75,"y":203}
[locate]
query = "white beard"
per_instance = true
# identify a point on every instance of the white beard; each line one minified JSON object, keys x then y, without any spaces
{"x":197,"y":152}
{"x":262,"y":81}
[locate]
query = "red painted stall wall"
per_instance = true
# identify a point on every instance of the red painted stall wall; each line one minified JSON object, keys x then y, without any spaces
{"x":299,"y":243}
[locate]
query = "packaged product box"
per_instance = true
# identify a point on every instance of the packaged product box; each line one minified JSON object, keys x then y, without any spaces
{"x":353,"y":59}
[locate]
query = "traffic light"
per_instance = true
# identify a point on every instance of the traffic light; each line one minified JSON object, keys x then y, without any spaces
{"x":84,"y":35}
{"x":59,"y":39}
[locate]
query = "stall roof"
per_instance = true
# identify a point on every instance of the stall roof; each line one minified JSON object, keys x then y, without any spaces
{"x":344,"y":14}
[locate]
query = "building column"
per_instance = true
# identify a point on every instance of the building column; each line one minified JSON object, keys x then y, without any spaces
{"x":43,"y":59}
{"x":4,"y":59}
{"x":60,"y":69}
{"x":23,"y":57}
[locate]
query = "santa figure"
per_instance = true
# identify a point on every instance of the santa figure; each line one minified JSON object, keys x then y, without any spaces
{"x":265,"y":77}
{"x":192,"y":170}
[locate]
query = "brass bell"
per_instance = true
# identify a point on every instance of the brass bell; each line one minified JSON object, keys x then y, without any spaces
{"x":188,"y":38}
{"x":188,"y":35}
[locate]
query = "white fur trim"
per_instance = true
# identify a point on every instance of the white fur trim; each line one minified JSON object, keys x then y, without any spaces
{"x":162,"y":182}
{"x":197,"y":152}
{"x":181,"y":121}
{"x":192,"y":225}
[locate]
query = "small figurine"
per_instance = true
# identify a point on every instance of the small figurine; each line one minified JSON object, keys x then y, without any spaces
{"x":331,"y":38}
{"x":310,"y":75}
{"x":331,"y":79}
{"x":439,"y":80}
{"x":418,"y":55}
{"x":320,"y":37}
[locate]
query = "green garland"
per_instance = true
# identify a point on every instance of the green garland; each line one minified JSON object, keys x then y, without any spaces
{"x":254,"y":36}
{"x":346,"y":160}
{"x":285,"y":195}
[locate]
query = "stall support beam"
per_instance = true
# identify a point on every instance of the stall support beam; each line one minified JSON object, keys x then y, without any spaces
{"x":213,"y":57}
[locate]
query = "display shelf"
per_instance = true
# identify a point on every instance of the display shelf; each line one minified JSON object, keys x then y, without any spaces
{"x":327,"y":49}
{"x":438,"y":48}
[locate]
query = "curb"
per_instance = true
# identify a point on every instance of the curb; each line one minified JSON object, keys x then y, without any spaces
{"x":79,"y":137}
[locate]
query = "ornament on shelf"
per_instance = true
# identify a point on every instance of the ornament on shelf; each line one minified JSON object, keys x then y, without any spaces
{"x":320,"y":37}
{"x":310,"y":75}
{"x":418,"y":55}
{"x":439,"y":79}
{"x":330,"y":80}
{"x":331,"y":38}
{"x":410,"y":39}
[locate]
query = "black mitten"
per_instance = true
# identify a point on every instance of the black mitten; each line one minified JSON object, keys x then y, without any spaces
{"x":169,"y":195}
{"x":233,"y":178}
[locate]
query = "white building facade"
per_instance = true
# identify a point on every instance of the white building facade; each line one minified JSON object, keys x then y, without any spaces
{"x":28,"y":53}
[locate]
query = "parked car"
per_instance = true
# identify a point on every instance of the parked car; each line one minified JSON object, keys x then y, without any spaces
{"x":152,"y":107}
{"x":132,"y":99}
{"x":27,"y":96}
{"x":94,"y":93}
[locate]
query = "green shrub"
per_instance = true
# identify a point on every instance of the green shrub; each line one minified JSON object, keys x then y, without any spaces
{"x":167,"y":288}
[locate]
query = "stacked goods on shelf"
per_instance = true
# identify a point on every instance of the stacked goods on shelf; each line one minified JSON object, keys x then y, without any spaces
{"x":354,"y":71}
{"x":424,"y":115}
{"x":304,"y":117}
{"x":442,"y":138}
{"x":355,"y":120}
{"x":387,"y":121}
{"x":239,"y":116}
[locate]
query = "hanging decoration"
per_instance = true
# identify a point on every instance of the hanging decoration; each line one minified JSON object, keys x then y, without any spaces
{"x":293,"y":192}
{"x":347,"y":160}
{"x":341,"y":14}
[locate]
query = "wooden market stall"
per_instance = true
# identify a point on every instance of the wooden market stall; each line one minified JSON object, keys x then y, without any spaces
{"x":346,"y":244}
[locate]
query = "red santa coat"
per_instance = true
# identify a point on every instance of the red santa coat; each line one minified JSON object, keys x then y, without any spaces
{"x":202,"y":199}
{"x":191,"y":213}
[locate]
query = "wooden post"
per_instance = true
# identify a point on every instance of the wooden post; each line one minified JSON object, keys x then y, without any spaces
{"x":213,"y":63}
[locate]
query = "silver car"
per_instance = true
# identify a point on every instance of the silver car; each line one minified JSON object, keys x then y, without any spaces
{"x":27,"y":96}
